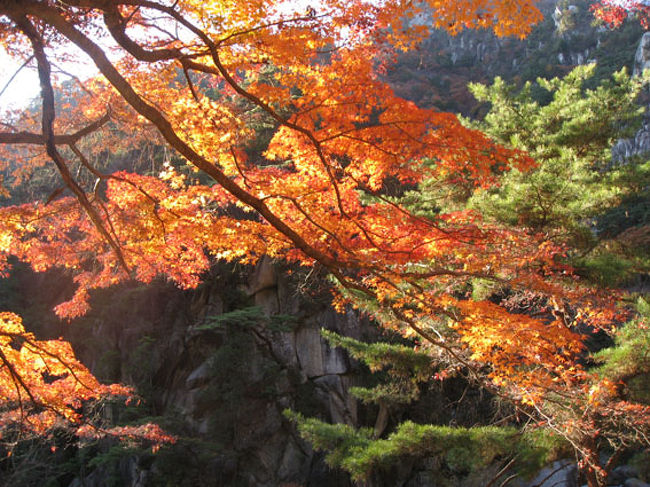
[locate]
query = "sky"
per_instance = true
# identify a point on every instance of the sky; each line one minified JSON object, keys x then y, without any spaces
{"x":24,"y":86}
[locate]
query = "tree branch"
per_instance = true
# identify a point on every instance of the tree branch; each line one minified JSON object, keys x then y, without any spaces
{"x":49,"y":114}
{"x":39,"y":139}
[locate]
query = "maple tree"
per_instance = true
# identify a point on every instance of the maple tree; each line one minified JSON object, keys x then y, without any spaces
{"x":198,"y":78}
{"x":614,"y":12}
{"x":43,"y":386}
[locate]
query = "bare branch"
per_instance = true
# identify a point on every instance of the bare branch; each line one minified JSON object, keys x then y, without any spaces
{"x":38,"y":139}
{"x":13,"y":76}
{"x":47,"y":95}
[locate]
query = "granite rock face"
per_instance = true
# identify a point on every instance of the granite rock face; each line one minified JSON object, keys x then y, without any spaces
{"x":640,"y":143}
{"x":229,"y":383}
{"x":642,"y":56}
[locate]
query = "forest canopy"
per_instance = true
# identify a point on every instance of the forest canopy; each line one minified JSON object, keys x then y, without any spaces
{"x":294,"y":144}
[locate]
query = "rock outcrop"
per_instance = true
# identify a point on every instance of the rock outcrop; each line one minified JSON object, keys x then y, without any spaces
{"x":640,"y":143}
{"x":642,"y":56}
{"x":228,"y":382}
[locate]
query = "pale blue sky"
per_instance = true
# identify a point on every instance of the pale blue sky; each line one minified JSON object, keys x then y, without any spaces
{"x":24,"y":86}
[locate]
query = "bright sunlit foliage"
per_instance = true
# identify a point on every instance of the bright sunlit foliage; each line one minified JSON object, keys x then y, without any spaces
{"x":202,"y":79}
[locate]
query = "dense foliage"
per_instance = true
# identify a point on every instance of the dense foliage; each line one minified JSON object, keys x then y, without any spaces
{"x":202,"y":80}
{"x":569,"y":129}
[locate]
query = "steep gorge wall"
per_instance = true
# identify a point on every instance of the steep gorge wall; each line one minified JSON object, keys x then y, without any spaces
{"x":437,"y":73}
{"x":223,"y":385}
{"x":227,"y":383}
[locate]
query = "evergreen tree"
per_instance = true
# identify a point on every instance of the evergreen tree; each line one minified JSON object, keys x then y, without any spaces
{"x":570,"y":137}
{"x":569,"y":130}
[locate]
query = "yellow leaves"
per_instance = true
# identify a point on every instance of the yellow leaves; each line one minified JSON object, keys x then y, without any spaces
{"x":307,"y":80}
{"x":10,"y":325}
{"x":172,"y":177}
{"x":523,"y":352}
{"x":505,"y":17}
{"x":601,"y":391}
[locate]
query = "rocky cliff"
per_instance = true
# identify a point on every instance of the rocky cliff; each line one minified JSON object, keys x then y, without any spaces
{"x":217,"y":366}
{"x":640,"y":143}
{"x":436,"y":75}
{"x":222,"y":363}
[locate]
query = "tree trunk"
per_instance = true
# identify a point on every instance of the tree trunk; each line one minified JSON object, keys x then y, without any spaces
{"x":592,"y":478}
{"x":596,"y":475}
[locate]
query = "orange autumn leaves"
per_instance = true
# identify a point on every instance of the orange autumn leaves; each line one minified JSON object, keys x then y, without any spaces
{"x":43,"y":386}
{"x":41,"y":382}
{"x":614,"y":12}
{"x":314,"y":194}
